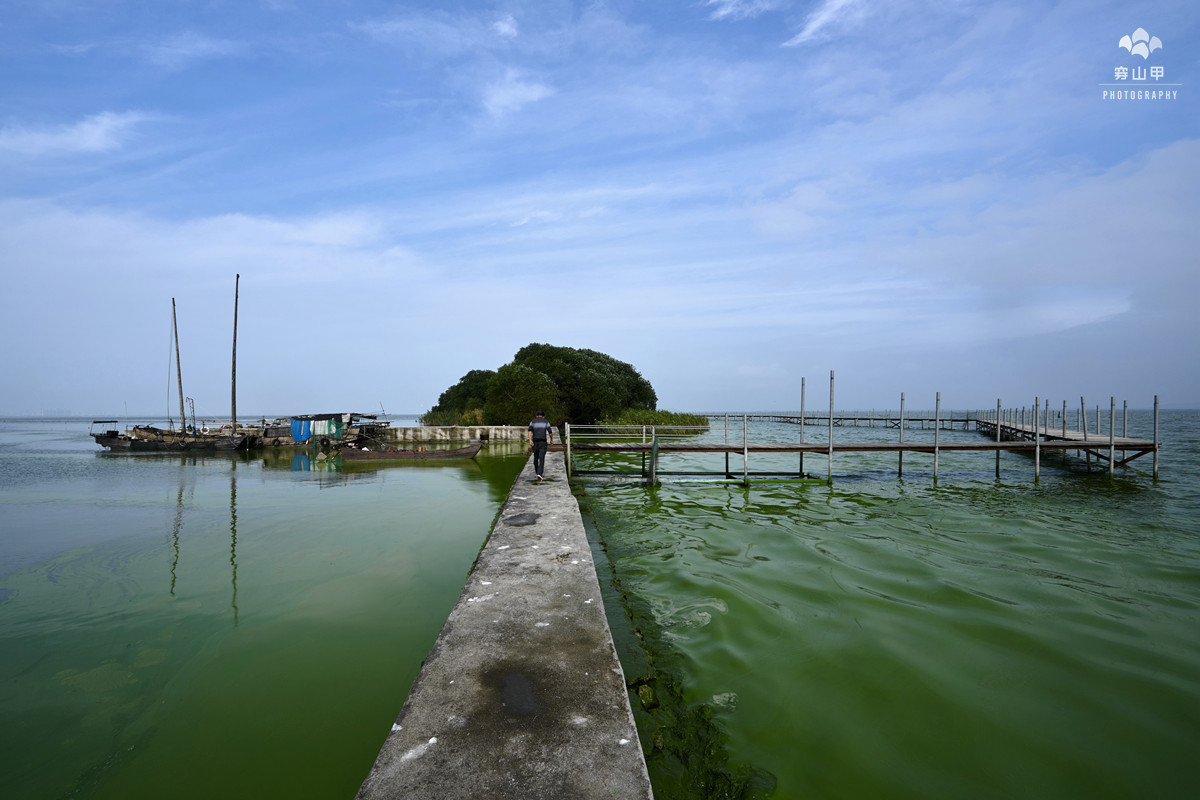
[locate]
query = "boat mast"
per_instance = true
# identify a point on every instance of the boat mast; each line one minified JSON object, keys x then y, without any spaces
{"x":178,"y":370}
{"x":233,"y":381}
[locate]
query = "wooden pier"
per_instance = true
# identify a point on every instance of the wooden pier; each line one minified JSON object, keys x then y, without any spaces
{"x":857,"y":419}
{"x":1006,"y":430}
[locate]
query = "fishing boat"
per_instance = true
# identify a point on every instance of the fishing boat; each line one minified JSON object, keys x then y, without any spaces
{"x":194,"y":437}
{"x":379,"y":453}
{"x":149,"y":439}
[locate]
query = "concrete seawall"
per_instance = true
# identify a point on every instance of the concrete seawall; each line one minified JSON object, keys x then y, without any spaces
{"x":522,"y":694}
{"x":456,"y":433}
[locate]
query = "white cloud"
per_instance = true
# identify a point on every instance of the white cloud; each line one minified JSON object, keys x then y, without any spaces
{"x":183,"y":48}
{"x":741,"y":9}
{"x":830,"y":12}
{"x":95,"y":134}
{"x":512,"y":92}
{"x":440,"y":34}
{"x":506,"y":26}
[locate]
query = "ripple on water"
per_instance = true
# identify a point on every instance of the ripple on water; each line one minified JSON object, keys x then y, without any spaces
{"x":900,"y":639}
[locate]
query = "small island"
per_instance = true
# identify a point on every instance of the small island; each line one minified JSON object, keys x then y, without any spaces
{"x":579,"y":386}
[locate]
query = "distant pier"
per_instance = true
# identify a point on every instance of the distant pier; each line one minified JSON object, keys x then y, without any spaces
{"x":1032,"y":430}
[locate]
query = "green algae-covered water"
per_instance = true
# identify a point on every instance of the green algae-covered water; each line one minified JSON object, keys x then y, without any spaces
{"x":982,"y":636}
{"x":221,"y":626}
{"x":249,"y":627}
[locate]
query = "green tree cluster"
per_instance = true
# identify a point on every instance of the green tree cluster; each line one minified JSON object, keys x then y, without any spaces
{"x":582,"y":386}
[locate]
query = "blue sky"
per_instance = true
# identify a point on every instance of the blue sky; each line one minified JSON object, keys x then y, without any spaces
{"x":728,"y":194}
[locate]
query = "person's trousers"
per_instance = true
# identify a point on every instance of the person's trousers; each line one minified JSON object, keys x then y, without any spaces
{"x":539,"y":456}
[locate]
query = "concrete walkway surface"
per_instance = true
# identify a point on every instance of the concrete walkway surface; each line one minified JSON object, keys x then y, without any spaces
{"x":522,"y":695}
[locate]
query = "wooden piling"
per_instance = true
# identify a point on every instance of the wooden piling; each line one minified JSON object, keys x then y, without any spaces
{"x":745,"y":451}
{"x":998,"y":413}
{"x":802,"y":426}
{"x":1037,"y":440}
{"x":654,"y":461}
{"x":900,"y":467}
{"x":727,"y":475}
{"x":831,"y":426}
{"x":1155,"y":437}
{"x":1112,"y":430}
{"x":937,"y":427}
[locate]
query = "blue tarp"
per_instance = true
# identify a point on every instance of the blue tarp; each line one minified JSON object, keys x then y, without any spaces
{"x":301,"y":429}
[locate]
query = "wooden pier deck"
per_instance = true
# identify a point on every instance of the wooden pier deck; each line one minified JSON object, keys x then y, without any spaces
{"x":1003,"y":436}
{"x":857,"y":419}
{"x":1044,"y":437}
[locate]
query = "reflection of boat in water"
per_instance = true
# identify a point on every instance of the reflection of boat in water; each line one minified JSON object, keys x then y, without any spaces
{"x":352,"y":453}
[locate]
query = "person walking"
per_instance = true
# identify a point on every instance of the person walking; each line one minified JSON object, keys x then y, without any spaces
{"x":541,"y":436}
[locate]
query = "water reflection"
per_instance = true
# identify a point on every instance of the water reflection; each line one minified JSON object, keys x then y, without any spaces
{"x":233,"y":539}
{"x":177,"y":530}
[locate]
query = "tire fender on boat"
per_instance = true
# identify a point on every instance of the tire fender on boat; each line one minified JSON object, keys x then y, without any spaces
{"x":204,"y":429}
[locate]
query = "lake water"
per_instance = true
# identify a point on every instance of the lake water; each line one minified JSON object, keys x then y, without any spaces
{"x":221,"y":626}
{"x":224,"y":626}
{"x":981,"y":636}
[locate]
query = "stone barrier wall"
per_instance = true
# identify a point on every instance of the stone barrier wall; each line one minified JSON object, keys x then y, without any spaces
{"x":457,"y":433}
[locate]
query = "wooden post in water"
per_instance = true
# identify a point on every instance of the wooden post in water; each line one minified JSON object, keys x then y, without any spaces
{"x":1046,"y":422}
{"x":830,"y":426}
{"x":802,"y":426}
{"x":998,"y":412}
{"x":1112,"y":427}
{"x":1083,"y":423}
{"x":233,"y":380}
{"x":1064,"y":419}
{"x":726,"y":442}
{"x":937,"y":425}
{"x":1155,"y":437}
{"x":900,"y":467}
{"x":1125,"y":418}
{"x":654,"y":460}
{"x":1037,"y":441}
{"x":745,"y":452}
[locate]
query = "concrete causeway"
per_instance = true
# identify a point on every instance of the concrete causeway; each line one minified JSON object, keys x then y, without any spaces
{"x":522,"y":695}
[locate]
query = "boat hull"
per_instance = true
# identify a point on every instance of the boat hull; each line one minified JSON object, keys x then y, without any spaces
{"x":147,"y":441}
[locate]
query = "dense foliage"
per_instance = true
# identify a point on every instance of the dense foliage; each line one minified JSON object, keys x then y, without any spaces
{"x":582,"y":386}
{"x":680,"y":421}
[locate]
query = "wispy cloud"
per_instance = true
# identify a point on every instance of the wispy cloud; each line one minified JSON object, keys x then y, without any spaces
{"x":183,"y":48}
{"x":506,"y":26}
{"x":440,"y":34}
{"x":741,"y":9}
{"x":512,"y":92}
{"x":830,"y":12}
{"x":95,"y":134}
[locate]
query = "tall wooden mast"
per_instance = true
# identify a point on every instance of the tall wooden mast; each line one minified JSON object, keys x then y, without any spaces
{"x":178,"y":370}
{"x":233,"y":382}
